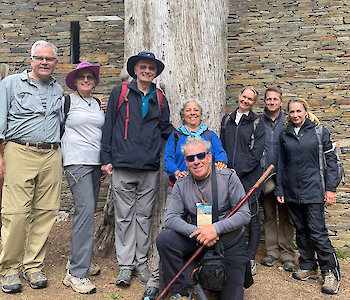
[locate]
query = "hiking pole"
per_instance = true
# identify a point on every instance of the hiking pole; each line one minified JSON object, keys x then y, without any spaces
{"x":200,"y":249}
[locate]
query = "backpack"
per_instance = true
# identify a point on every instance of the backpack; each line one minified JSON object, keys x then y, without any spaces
{"x":252,"y":137}
{"x":322,"y":159}
{"x":66,"y":107}
{"x":123,"y":97}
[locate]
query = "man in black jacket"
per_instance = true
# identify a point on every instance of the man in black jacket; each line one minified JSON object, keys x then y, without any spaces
{"x":130,"y":152}
{"x":279,"y":233}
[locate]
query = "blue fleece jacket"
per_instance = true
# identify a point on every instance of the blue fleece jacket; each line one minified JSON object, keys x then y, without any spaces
{"x":174,"y":159}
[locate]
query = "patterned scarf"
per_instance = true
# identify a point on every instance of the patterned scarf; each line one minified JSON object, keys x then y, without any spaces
{"x":186,"y":131}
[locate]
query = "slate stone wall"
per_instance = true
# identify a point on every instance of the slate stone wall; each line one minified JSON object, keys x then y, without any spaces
{"x":302,"y":47}
{"x":101,"y":42}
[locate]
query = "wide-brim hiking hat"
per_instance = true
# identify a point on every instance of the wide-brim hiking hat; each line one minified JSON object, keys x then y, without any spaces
{"x":130,"y":66}
{"x":70,"y":82}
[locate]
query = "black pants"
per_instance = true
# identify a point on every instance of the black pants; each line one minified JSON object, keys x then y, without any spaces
{"x":175,"y":250}
{"x":254,"y":229}
{"x":312,"y":237}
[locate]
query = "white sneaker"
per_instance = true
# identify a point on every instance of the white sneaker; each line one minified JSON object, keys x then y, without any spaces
{"x":80,"y":285}
{"x":253,"y":267}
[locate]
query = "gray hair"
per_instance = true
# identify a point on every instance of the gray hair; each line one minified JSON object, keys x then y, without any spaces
{"x":195,"y":140}
{"x":43,"y":44}
{"x":182,"y":110}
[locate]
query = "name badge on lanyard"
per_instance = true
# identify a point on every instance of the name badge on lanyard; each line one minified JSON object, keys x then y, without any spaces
{"x":204,"y":214}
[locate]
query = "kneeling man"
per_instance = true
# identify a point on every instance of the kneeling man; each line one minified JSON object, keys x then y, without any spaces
{"x":181,"y":238}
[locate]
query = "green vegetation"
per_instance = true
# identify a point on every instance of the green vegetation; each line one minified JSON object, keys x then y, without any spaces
{"x":342,"y":254}
{"x":114,"y":296}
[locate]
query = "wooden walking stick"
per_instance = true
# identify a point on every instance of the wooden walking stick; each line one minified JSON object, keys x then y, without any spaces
{"x":200,"y":249}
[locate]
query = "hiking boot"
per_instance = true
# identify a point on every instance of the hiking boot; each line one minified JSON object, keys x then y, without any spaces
{"x":178,"y":296}
{"x":80,"y":285}
{"x":305,"y":274}
{"x":253,"y":267}
{"x":151,"y":293}
{"x":11,"y":284}
{"x":37,"y":280}
{"x":94,"y":269}
{"x":269,"y":260}
{"x":124,"y":277}
{"x":331,"y":284}
{"x":143,"y":275}
{"x":289,"y":265}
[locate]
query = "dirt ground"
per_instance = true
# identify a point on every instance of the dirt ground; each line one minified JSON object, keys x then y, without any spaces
{"x":270,"y":283}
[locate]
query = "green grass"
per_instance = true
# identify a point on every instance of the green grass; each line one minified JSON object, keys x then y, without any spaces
{"x":342,"y":254}
{"x":114,"y":296}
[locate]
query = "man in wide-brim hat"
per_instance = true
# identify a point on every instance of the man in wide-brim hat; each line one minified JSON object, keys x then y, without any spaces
{"x":146,"y":56}
{"x":136,"y":119}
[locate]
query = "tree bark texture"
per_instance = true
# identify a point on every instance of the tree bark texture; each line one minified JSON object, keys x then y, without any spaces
{"x":190,"y":37}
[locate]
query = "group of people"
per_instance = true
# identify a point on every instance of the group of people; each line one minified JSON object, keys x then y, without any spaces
{"x":42,"y":129}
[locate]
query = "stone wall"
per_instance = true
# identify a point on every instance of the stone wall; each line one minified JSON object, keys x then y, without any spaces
{"x":101,"y":42}
{"x":300,"y":46}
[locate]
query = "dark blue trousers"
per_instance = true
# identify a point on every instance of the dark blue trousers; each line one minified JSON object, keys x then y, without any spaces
{"x":175,"y":250}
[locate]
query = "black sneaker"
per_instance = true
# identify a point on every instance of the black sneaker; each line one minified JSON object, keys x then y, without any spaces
{"x":151,"y":293}
{"x":289,"y":265}
{"x":269,"y":260}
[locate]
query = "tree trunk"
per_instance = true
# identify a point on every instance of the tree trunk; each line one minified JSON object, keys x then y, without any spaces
{"x":190,"y":37}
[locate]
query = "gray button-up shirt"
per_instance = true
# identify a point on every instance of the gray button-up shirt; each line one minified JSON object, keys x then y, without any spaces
{"x":22,"y":115}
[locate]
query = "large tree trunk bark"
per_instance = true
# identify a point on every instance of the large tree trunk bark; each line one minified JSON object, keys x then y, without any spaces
{"x":190,"y":37}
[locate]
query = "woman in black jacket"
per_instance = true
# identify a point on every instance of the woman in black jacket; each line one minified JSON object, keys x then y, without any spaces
{"x":299,"y":185}
{"x":243,"y":138}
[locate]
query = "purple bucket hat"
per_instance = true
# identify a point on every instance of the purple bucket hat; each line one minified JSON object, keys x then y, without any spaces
{"x":84,"y":65}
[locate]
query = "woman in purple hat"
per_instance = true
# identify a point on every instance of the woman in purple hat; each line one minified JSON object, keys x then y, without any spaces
{"x":81,"y":140}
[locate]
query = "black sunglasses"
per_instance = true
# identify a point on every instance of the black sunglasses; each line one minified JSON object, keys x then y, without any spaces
{"x":200,"y":156}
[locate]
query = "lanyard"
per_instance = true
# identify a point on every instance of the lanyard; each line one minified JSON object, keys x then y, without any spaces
{"x":206,"y":190}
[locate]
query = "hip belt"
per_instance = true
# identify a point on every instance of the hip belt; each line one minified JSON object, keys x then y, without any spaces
{"x":43,"y":145}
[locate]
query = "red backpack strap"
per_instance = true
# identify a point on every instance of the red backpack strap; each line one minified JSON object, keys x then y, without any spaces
{"x":123,"y":94}
{"x":123,"y":97}
{"x":160,"y":101}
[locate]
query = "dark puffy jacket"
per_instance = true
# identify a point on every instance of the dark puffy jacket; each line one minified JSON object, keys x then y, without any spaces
{"x":272,"y":133}
{"x":141,"y":149}
{"x":236,"y":140}
{"x":298,"y":174}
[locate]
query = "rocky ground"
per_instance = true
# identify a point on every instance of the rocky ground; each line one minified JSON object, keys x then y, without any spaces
{"x":270,"y":283}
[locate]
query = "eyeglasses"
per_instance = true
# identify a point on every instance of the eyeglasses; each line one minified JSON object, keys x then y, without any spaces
{"x":41,"y":58}
{"x":145,"y":67}
{"x":88,"y":77}
{"x":200,"y":156}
